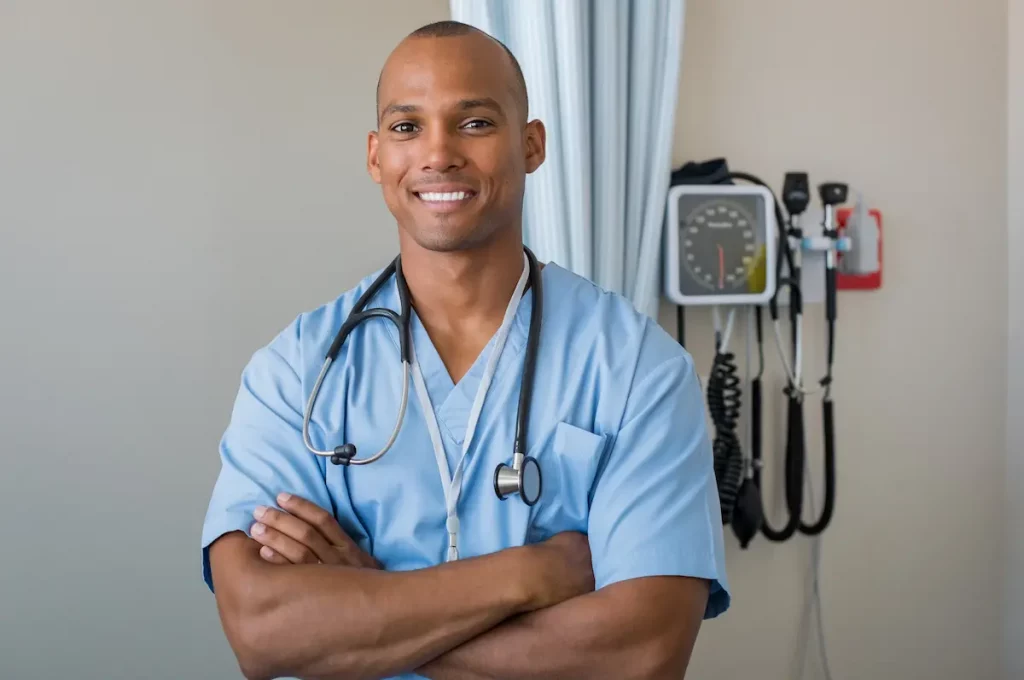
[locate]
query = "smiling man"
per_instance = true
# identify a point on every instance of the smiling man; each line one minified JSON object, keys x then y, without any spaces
{"x":421,"y":563}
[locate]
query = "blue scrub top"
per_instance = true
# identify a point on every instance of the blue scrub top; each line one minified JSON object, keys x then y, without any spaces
{"x":617,"y":424}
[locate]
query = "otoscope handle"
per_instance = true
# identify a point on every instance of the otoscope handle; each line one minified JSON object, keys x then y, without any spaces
{"x":830,"y":294}
{"x":828,"y":416}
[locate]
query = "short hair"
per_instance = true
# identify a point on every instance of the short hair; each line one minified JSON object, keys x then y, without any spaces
{"x":449,"y":29}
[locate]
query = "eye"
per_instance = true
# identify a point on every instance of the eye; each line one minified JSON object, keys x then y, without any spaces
{"x":478,"y":124}
{"x":403,"y":128}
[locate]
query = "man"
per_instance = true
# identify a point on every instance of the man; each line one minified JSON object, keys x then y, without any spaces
{"x":371,"y":571}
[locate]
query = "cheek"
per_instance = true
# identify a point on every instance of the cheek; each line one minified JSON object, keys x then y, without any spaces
{"x":393,"y":166}
{"x":390,"y":164}
{"x":503,"y":169}
{"x":509,"y":179}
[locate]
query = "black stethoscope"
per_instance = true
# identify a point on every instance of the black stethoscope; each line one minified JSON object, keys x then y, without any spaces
{"x":523,"y":477}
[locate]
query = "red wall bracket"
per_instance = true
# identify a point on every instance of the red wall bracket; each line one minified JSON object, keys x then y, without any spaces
{"x":860,"y":281}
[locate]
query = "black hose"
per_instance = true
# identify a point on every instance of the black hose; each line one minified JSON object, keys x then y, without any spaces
{"x":724,"y":394}
{"x":681,"y":325}
{"x":828,"y":414}
{"x":830,"y":473}
{"x":794,"y":473}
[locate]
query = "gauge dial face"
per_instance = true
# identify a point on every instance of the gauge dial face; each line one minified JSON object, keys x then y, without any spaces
{"x":720,"y":243}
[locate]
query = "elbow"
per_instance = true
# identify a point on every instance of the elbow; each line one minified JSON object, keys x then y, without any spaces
{"x":255,"y":670}
{"x":664,"y":656}
{"x":645,"y":654}
{"x":659,"y":649}
{"x":247,"y":609}
{"x":262,"y":613}
{"x":251,"y":642}
{"x":249,"y":624}
{"x":662,"y":666}
{"x":266,"y":652}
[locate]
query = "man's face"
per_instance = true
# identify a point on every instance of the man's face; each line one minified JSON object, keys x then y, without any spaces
{"x":452,"y":151}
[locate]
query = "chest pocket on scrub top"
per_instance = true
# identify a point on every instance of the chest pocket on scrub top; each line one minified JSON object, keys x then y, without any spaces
{"x":569,"y":461}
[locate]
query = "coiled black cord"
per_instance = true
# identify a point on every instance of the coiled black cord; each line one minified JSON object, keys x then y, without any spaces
{"x":724,"y":400}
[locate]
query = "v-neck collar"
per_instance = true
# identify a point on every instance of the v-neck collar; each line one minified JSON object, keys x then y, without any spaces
{"x":452,"y":402}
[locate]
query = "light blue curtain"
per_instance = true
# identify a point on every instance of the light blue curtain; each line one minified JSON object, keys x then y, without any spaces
{"x":603,"y":77}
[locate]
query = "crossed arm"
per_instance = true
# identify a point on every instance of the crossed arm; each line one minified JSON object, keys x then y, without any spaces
{"x":640,"y":629}
{"x":309,"y":604}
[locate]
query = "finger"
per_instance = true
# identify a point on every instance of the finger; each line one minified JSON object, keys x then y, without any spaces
{"x":317,"y":517}
{"x":283,"y":545}
{"x":298,"y":530}
{"x":269,"y":555}
{"x":347,"y":551}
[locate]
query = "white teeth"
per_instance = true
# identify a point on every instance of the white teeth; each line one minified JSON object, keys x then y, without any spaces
{"x":447,"y":196}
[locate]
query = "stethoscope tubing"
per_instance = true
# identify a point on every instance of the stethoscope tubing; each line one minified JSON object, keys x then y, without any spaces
{"x":402,"y":322}
{"x":394,"y":434}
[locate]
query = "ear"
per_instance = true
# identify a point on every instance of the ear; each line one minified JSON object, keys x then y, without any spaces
{"x":372,"y":161}
{"x":536,"y":145}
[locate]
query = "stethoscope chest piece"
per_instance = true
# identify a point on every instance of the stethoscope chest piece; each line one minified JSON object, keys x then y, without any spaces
{"x":523,"y":477}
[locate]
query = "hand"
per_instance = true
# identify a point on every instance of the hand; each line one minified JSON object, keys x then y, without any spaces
{"x":305,"y":534}
{"x":565,"y":568}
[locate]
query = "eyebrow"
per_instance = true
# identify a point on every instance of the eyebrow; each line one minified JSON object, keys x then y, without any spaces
{"x":463,"y":105}
{"x":398,"y":108}
{"x":483,"y":103}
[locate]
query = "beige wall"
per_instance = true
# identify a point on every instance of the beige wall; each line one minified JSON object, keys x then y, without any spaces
{"x":1014,"y":632}
{"x":177,"y":179}
{"x":905,"y":100}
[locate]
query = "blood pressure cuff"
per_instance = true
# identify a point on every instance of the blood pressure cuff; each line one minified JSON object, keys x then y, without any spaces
{"x":714,"y":171}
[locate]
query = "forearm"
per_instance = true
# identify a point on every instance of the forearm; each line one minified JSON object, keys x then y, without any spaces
{"x":327,"y":621}
{"x":605,"y":634}
{"x":570,"y":640}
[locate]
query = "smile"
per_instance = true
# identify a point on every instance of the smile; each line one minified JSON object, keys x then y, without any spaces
{"x":444,"y":197}
{"x":445,"y":201}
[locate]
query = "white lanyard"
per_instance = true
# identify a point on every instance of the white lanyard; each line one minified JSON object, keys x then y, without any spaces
{"x":453,"y":485}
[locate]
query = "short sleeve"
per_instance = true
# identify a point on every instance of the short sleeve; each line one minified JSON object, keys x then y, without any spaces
{"x":262,"y":451}
{"x":655,"y":508}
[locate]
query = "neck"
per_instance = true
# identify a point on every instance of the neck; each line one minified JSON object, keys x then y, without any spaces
{"x":463,"y":291}
{"x":461,"y":297}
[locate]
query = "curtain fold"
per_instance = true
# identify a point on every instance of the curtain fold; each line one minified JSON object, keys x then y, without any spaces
{"x":603,"y":77}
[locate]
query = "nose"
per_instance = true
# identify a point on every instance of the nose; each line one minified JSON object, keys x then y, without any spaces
{"x":442,"y":152}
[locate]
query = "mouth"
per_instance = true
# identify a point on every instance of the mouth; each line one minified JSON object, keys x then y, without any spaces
{"x":445,"y":201}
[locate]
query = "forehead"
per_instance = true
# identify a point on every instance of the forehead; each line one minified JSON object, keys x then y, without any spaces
{"x":437,"y":72}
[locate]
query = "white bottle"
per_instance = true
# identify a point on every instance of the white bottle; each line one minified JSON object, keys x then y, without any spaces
{"x":862,"y":231}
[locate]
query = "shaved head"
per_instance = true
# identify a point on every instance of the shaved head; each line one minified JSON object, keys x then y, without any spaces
{"x":456,"y":29}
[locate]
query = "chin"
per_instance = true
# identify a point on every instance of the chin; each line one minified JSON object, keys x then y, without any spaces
{"x":446,"y":242}
{"x":447,"y":236}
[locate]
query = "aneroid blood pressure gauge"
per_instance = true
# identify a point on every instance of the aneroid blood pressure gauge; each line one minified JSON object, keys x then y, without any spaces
{"x":720,"y":245}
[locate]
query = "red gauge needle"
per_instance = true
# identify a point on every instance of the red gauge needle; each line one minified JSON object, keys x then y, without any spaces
{"x":721,"y":266}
